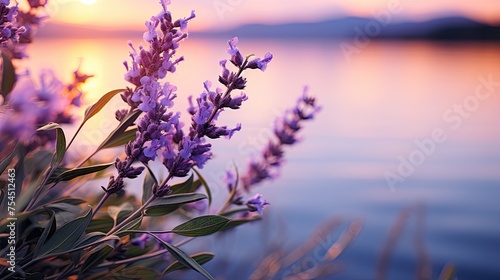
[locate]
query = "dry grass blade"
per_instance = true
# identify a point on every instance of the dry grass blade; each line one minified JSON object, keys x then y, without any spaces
{"x":345,"y":239}
{"x":269,"y":266}
{"x":392,"y":240}
{"x":320,"y":234}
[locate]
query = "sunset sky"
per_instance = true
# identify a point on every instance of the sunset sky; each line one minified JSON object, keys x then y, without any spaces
{"x":224,"y":14}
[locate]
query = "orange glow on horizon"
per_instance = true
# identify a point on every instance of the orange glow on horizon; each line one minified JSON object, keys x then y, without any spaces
{"x":131,"y":15}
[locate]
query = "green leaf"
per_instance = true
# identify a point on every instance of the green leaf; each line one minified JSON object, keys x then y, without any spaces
{"x":201,"y":226}
{"x":147,"y":187}
{"x":57,"y":171}
{"x":184,"y":258}
{"x":60,"y":142}
{"x":238,"y":222}
{"x":71,"y":174}
{"x":7,"y":160}
{"x":165,"y":205}
{"x":96,"y":107}
{"x":97,"y":258}
{"x":138,"y":272}
{"x":234,"y":211}
{"x":49,"y":230}
{"x":184,"y":187}
{"x":67,"y":200}
{"x":123,"y":209}
{"x":8,"y":75}
{"x":90,"y":238}
{"x":35,"y":276}
{"x":104,"y":225}
{"x":67,"y":236}
{"x":200,"y":258}
{"x":124,"y":124}
{"x":205,"y":185}
{"x":121,"y":139}
{"x":132,"y":225}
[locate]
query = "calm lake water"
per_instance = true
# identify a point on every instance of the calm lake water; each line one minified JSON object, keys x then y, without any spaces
{"x":421,"y":113}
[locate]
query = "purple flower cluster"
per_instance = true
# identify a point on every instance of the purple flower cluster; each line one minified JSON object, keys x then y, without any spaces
{"x":9,"y":30}
{"x":18,"y":26}
{"x":267,"y":165}
{"x":192,"y":149}
{"x":212,"y":102}
{"x":29,"y":107}
{"x":256,"y":204}
{"x":285,"y":131}
{"x":159,"y":132}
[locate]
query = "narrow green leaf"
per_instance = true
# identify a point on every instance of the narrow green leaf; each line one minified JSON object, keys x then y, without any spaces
{"x":121,"y":139}
{"x":165,"y":205}
{"x":90,"y":238}
{"x":202,"y":225}
{"x":132,"y":225}
{"x":200,"y":258}
{"x":138,"y":272}
{"x":67,"y":200}
{"x":115,"y":211}
{"x":77,"y":172}
{"x":57,"y":171}
{"x":35,"y":276}
{"x":60,"y":143}
{"x":184,"y":187}
{"x":67,"y":236}
{"x":99,"y":241}
{"x":147,"y":187}
{"x":124,"y":124}
{"x":7,"y":160}
{"x":234,"y":211}
{"x":97,"y":258}
{"x":205,"y":185}
{"x":184,"y":258}
{"x":49,"y":230}
{"x":8,"y":75}
{"x":238,"y":222}
{"x":96,"y":107}
{"x":104,"y":225}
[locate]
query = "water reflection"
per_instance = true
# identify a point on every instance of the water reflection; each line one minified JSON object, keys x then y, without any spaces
{"x":374,"y":109}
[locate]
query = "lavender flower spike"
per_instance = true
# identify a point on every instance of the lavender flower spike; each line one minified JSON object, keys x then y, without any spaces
{"x":256,"y":204}
{"x":285,"y":132}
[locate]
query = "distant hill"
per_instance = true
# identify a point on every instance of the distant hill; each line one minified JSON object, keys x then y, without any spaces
{"x":449,"y":28}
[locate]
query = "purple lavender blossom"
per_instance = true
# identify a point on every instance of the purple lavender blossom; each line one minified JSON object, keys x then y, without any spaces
{"x":157,"y":129}
{"x":285,"y":131}
{"x":159,"y":132}
{"x":28,"y":107}
{"x":260,"y":63}
{"x":8,"y":23}
{"x":256,"y":204}
{"x":18,"y":26}
{"x":141,"y":241}
{"x":212,"y":102}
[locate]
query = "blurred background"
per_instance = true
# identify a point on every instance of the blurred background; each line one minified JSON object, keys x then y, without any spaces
{"x":407,"y":141}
